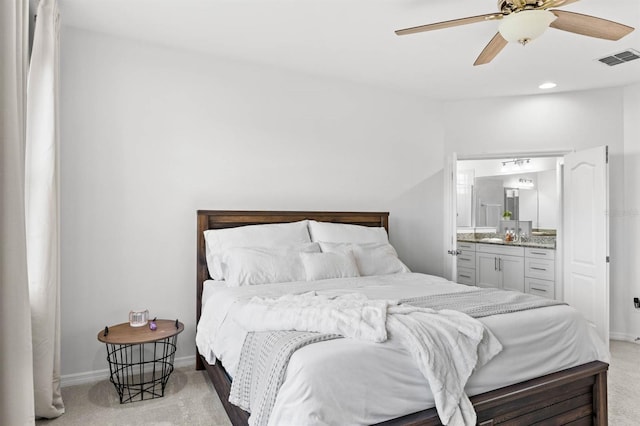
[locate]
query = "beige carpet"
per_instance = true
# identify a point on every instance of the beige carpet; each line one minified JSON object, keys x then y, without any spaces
{"x":624,"y":384}
{"x":191,"y":400}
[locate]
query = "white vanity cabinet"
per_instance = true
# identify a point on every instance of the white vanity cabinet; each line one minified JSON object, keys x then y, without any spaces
{"x":500,"y":266}
{"x":525,"y":269}
{"x":466,"y":263}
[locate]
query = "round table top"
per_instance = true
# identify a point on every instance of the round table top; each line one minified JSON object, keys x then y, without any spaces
{"x":124,"y":334}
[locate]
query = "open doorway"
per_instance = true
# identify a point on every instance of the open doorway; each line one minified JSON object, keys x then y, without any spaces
{"x":536,"y":229}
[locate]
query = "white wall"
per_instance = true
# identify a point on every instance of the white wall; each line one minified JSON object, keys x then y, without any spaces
{"x":553,"y":122}
{"x":631,"y":213}
{"x":548,"y":199}
{"x":150,"y":135}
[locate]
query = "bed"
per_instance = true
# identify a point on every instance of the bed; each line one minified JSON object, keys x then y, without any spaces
{"x":575,"y":395}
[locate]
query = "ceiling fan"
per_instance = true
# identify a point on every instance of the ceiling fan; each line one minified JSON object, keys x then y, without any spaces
{"x":524,"y":20}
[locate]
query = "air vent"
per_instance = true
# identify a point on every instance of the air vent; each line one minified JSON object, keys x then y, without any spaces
{"x":620,"y":58}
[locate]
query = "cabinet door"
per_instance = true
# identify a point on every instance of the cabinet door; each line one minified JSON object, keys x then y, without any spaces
{"x":512,"y":270}
{"x":487,"y":273}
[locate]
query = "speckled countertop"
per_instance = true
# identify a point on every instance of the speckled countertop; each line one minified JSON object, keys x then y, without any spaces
{"x":545,"y":241}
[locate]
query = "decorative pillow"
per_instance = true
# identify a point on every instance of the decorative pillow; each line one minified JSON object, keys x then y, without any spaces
{"x":265,"y":265}
{"x":344,"y":233}
{"x":371,"y":258}
{"x":218,"y":241}
{"x":322,"y":266}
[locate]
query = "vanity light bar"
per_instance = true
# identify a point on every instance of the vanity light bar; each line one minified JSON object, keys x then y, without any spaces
{"x":517,"y":161}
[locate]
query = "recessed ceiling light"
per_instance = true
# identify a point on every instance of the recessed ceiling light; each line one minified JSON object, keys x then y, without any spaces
{"x":548,"y":85}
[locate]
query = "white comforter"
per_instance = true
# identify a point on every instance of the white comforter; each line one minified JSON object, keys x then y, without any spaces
{"x":348,"y":381}
{"x":446,"y":345}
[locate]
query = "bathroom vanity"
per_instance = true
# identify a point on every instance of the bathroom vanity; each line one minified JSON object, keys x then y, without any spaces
{"x":520,"y":266}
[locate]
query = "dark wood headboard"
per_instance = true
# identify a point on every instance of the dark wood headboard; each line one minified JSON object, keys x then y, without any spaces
{"x":220,"y":219}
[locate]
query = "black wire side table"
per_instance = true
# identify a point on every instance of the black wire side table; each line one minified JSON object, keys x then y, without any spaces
{"x":140,"y":359}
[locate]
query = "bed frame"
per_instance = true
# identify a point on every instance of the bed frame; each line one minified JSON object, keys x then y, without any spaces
{"x":576,"y":396}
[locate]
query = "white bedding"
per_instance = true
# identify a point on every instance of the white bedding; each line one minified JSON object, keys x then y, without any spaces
{"x":348,"y":381}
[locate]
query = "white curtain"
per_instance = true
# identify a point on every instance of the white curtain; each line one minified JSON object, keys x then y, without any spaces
{"x":16,"y":378}
{"x":41,"y":201}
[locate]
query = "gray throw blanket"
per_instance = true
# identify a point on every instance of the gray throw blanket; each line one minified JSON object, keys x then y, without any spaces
{"x":482,"y":302}
{"x":262,"y":366}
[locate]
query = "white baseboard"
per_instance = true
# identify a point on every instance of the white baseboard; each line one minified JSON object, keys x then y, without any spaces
{"x":623,"y":337}
{"x":185,"y":361}
{"x":97,"y":375}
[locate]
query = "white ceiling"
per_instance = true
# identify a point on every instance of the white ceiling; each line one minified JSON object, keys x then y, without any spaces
{"x":354,"y":40}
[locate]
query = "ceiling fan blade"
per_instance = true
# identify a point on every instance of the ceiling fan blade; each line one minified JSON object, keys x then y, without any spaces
{"x":448,"y":24}
{"x":589,"y":25}
{"x":492,"y":49}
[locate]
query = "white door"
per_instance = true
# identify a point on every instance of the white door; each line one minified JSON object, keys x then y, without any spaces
{"x":586,"y":227}
{"x":450,"y":214}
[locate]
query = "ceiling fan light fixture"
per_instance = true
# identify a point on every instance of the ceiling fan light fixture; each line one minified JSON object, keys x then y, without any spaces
{"x":524,"y":26}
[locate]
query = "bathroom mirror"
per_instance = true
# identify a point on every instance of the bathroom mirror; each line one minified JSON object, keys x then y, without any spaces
{"x":496,"y":194}
{"x":484,"y":193}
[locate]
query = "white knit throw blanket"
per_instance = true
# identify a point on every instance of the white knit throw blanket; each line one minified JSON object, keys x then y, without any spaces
{"x":446,"y":345}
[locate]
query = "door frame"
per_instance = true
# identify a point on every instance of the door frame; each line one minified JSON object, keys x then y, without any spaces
{"x":450,"y":212}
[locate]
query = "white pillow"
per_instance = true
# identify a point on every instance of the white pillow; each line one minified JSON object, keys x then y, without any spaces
{"x":345,"y":233}
{"x":371,"y":258}
{"x":265,"y":265}
{"x":322,"y":266}
{"x":218,"y":241}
